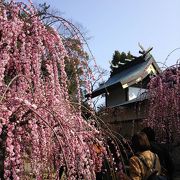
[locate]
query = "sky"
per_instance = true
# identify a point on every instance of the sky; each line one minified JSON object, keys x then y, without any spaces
{"x":121,"y":24}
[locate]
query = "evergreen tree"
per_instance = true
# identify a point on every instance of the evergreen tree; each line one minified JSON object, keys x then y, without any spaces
{"x":122,"y":58}
{"x":129,"y":55}
{"x":119,"y":59}
{"x":115,"y":60}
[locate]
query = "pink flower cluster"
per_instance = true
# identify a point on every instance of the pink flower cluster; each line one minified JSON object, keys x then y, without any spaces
{"x":43,"y":129}
{"x":164,"y":105}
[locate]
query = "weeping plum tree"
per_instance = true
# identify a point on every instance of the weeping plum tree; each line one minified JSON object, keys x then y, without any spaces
{"x":164,"y":107}
{"x":40,"y":128}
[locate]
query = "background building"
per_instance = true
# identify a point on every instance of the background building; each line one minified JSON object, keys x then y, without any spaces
{"x":126,"y":94}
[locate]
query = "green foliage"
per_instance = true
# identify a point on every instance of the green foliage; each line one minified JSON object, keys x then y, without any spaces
{"x":118,"y":60}
{"x":129,"y":55}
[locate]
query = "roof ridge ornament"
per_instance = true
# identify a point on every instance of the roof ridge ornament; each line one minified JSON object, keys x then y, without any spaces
{"x":121,"y":63}
{"x":114,"y":66}
{"x":129,"y":60}
{"x":143,"y":51}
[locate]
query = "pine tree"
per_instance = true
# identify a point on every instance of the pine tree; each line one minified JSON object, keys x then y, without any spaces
{"x":119,"y":59}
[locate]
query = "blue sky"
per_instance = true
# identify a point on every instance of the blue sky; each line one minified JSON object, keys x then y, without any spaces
{"x":121,"y":24}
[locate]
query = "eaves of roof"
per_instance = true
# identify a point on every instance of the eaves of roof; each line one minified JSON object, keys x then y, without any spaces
{"x":127,"y":77}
